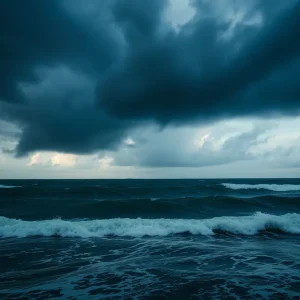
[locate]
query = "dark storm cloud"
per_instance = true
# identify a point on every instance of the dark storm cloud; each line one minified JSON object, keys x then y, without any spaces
{"x":139,"y":20}
{"x":193,"y":74}
{"x":43,"y":32}
{"x":53,"y":54}
{"x":48,"y":35}
{"x":60,"y":116}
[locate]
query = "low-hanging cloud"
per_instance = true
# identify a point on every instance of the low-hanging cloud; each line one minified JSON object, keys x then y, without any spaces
{"x":186,"y":148}
{"x":77,"y":77}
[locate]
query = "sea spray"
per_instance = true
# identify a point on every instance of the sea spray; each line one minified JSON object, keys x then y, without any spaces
{"x":244,"y":225}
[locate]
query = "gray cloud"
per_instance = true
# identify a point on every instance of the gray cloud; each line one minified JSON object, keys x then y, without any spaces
{"x":44,"y":32}
{"x":78,"y":77}
{"x":55,"y":108}
{"x":138,"y":20}
{"x":283,"y":157}
{"x":181,"y":148}
{"x":60,"y":116}
{"x":192,"y":74}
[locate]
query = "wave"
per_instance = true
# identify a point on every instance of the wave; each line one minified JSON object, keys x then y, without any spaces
{"x":270,"y":187}
{"x":8,"y":186}
{"x":150,"y":190}
{"x":37,"y":207}
{"x":243,"y":225}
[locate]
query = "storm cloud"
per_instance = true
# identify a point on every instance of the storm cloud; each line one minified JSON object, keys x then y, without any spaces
{"x":79,"y":76}
{"x":194,"y":73}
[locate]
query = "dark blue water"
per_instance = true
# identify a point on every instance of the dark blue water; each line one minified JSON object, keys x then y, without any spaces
{"x":150,"y":239}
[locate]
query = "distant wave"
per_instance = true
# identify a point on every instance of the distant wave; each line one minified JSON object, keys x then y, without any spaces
{"x":8,"y":186}
{"x":271,"y":187}
{"x":37,"y":207}
{"x":244,"y":225}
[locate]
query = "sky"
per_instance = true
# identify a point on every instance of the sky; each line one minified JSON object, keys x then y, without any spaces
{"x":149,"y":89}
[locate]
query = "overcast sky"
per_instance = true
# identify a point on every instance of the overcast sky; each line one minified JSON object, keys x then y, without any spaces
{"x":149,"y":89}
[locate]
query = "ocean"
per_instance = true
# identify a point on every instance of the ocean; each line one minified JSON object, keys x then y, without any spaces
{"x":150,"y":239}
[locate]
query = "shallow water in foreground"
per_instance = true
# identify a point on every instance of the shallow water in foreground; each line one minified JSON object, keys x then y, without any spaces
{"x":150,"y":239}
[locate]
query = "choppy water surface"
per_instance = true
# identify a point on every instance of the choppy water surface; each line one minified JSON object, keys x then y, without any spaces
{"x":150,"y":239}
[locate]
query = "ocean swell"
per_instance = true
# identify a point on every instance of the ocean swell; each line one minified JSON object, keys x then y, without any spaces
{"x":270,"y":187}
{"x":125,"y":227}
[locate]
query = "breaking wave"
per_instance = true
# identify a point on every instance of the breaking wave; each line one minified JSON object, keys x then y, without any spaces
{"x":8,"y":186}
{"x":125,"y":227}
{"x":270,"y":187}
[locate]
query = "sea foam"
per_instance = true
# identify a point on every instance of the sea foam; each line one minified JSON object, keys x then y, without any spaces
{"x":271,"y":187}
{"x":8,"y":186}
{"x":245,"y":225}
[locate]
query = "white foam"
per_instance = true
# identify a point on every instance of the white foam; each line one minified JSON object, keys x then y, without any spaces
{"x":8,"y":186}
{"x":271,"y":187}
{"x":154,"y":199}
{"x":247,"y":225}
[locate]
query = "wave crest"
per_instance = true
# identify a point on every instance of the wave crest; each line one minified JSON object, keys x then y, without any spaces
{"x":245,"y":225}
{"x":270,"y":187}
{"x":2,"y":186}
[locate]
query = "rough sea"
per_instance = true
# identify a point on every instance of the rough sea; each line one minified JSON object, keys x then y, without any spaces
{"x":150,"y":239}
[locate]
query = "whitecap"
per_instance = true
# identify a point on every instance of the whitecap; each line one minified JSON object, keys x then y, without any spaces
{"x":271,"y":187}
{"x":245,"y":225}
{"x":8,"y":186}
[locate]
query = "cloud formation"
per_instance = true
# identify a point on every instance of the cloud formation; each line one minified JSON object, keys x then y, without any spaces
{"x":78,"y":77}
{"x":49,"y":33}
{"x":191,"y":147}
{"x":196,"y":74}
